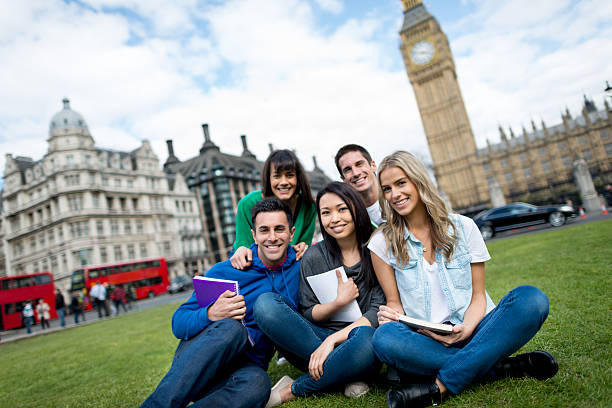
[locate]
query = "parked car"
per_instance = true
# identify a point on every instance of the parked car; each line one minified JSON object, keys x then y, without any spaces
{"x":520,"y":215}
{"x":180,"y":284}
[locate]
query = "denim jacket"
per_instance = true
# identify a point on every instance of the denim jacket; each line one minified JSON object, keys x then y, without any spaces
{"x":455,"y":278}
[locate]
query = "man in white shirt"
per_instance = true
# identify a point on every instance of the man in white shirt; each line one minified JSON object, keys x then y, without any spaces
{"x":98,"y":295}
{"x":357,"y":168}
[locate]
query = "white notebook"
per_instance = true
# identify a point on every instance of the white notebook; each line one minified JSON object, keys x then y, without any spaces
{"x":325,"y":287}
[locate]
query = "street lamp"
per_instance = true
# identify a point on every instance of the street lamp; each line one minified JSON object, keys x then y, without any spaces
{"x":608,"y":91}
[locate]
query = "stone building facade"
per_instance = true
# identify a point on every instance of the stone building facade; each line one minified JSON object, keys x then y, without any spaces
{"x":219,"y":180}
{"x":81,"y":204}
{"x":534,"y":166}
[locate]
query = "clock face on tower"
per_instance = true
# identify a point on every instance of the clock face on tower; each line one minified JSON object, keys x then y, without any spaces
{"x":422,"y":52}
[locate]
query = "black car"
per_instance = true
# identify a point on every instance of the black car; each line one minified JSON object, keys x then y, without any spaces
{"x":180,"y":284}
{"x":519,"y":215}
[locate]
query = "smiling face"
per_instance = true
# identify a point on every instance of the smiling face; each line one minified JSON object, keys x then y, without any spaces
{"x":336,"y":217}
{"x":401,"y":194}
{"x":272,"y":236}
{"x":358,"y":171}
{"x":283,"y":183}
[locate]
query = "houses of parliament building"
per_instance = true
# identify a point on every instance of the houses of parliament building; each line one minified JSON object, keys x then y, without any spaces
{"x":534,"y":165}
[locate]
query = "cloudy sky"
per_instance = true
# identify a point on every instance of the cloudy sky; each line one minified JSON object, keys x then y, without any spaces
{"x":310,"y":75}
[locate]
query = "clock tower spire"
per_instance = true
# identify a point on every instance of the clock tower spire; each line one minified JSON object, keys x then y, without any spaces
{"x":431,"y":71}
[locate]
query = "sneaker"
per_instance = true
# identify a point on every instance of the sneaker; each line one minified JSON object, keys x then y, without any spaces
{"x":356,"y":389}
{"x":275,"y":398}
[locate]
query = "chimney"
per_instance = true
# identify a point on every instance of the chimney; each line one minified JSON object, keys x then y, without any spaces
{"x":245,"y":149}
{"x":172,"y":159}
{"x":270,"y":147}
{"x":208,"y":144}
{"x":314,"y":160}
{"x":170,"y":148}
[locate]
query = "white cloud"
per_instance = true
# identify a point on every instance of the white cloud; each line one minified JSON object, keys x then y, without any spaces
{"x":333,"y":6}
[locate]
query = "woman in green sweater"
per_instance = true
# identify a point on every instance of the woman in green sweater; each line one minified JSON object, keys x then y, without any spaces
{"x":283,"y":177}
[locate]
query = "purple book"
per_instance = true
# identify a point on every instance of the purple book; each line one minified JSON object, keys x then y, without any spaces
{"x":208,"y":290}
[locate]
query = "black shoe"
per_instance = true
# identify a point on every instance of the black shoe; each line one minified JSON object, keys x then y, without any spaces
{"x":414,"y":395}
{"x":538,"y":364}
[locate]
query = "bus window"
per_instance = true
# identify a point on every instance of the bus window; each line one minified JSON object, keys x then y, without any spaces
{"x":126,"y":268}
{"x":41,"y":279}
{"x":7,"y":284}
{"x":10,"y":308}
{"x":24,"y":282}
{"x":156,"y":264}
{"x":94,"y":273}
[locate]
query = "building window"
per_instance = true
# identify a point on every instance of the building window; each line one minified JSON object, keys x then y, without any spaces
{"x":41,"y":240}
{"x":608,"y":148}
{"x":134,"y":203}
{"x":88,"y":160}
{"x":60,"y":233}
{"x":92,"y":178}
{"x":561,"y":146}
{"x":143,"y":250}
{"x":51,"y":237}
{"x":72,"y":180}
{"x":542,"y":152}
{"x":109,"y":203}
{"x":587,"y":155}
{"x":75,"y":202}
{"x":53,"y":264}
{"x":117,"y":182}
{"x":546,"y":167}
{"x":95,"y":199}
{"x":167,"y":248}
{"x":33,"y":244}
{"x":130,"y":183}
{"x":103,"y":255}
{"x":604,"y":134}
{"x":70,"y":160}
{"x":105,"y":181}
{"x":127,"y":227}
{"x":139,"y":227}
{"x":567,"y":161}
{"x":503,"y":162}
{"x":582,"y":140}
{"x":122,"y":203}
{"x":100,"y":227}
{"x":117,"y":251}
{"x":79,"y":229}
{"x":526,"y":172}
{"x":131,"y":252}
{"x":114,"y":227}
{"x":523,"y":157}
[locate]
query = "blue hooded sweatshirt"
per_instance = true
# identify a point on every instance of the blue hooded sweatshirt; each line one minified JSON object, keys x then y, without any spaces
{"x":190,"y":319}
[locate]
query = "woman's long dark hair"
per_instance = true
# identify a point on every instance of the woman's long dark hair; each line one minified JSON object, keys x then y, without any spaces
{"x":286,"y":160}
{"x":363,"y":227}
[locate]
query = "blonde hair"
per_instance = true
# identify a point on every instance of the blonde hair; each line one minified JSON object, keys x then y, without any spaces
{"x":437,"y":211}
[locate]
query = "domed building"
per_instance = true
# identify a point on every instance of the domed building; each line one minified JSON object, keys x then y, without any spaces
{"x":82,"y":205}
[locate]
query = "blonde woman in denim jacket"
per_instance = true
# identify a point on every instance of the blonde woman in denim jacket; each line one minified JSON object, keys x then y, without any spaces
{"x":430,"y":265}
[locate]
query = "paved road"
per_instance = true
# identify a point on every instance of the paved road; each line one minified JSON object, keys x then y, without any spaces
{"x":91,"y":316}
{"x":546,"y":227}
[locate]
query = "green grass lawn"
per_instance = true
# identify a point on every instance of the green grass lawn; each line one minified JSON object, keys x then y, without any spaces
{"x":118,"y":362}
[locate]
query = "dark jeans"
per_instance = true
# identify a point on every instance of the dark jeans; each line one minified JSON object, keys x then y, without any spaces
{"x":504,"y":330}
{"x":119,"y":303}
{"x":28,"y":324}
{"x":44,"y":322}
{"x":76,"y":314}
{"x":61,"y":312}
{"x":212,"y":370}
{"x":298,"y":338}
{"x":100,"y":305}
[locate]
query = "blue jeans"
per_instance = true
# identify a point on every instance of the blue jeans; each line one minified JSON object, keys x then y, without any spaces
{"x":298,"y":338}
{"x":504,"y":330}
{"x":211,"y":370}
{"x":61,"y":312}
{"x":28,"y":323}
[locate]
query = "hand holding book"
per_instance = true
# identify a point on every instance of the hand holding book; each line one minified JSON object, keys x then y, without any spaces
{"x":227,"y":305}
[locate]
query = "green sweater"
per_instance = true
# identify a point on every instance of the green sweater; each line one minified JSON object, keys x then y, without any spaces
{"x":304,"y":221}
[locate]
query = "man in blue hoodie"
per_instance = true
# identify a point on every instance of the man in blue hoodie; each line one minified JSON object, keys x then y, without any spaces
{"x":215,"y":364}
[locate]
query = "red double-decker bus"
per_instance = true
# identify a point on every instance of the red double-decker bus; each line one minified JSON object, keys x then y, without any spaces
{"x":144,"y":277}
{"x":16,"y":290}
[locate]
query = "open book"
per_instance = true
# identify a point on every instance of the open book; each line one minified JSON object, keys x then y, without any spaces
{"x":439,"y":328}
{"x":325,"y":287}
{"x":208,"y":290}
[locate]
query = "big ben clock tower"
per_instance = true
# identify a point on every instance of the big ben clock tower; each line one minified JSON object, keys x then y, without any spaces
{"x":431,"y":71}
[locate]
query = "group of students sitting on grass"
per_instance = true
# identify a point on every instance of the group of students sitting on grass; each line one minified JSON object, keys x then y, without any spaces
{"x":403,"y":253}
